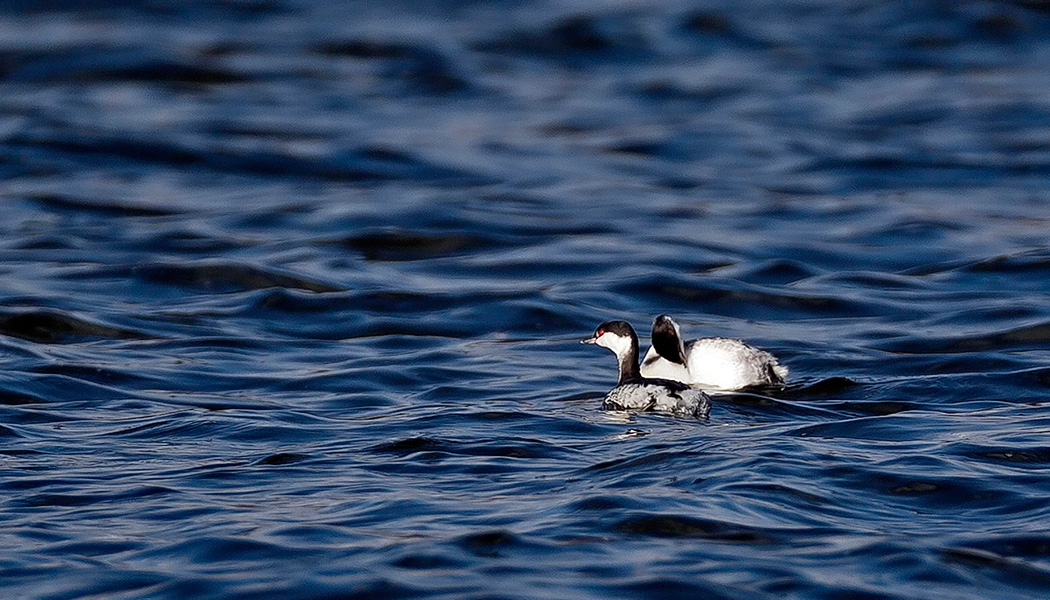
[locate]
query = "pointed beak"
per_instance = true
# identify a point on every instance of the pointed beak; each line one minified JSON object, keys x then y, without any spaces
{"x":592,"y":340}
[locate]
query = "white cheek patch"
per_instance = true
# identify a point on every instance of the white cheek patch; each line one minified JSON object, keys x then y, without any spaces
{"x":619,"y":345}
{"x":681,"y":342}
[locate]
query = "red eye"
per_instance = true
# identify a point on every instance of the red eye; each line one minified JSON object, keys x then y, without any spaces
{"x":601,"y":332}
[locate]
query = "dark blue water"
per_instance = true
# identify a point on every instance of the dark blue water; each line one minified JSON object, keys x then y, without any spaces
{"x":290,"y":295}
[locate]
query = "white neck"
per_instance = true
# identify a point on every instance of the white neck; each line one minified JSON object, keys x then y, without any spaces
{"x":626,"y":351}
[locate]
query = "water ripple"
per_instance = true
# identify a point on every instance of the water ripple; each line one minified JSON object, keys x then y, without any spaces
{"x":293,"y":293}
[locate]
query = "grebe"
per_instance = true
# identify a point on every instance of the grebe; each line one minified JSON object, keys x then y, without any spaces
{"x":711,"y":363}
{"x":634,"y":392}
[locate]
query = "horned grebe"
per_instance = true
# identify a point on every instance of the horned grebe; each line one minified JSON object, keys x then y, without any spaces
{"x":634,"y":392}
{"x":711,"y":363}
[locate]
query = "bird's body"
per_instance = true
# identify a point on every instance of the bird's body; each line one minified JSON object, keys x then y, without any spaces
{"x":711,"y":363}
{"x":635,"y":392}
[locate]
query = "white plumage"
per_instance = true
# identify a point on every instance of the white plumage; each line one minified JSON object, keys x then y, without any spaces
{"x":712,"y":363}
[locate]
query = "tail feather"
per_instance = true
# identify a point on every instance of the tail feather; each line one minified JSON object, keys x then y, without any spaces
{"x":777,"y":372}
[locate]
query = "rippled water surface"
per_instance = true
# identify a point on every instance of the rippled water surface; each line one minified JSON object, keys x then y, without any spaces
{"x":290,"y":297}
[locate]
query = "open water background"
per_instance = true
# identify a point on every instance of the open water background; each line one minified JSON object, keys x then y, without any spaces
{"x":290,"y":295}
